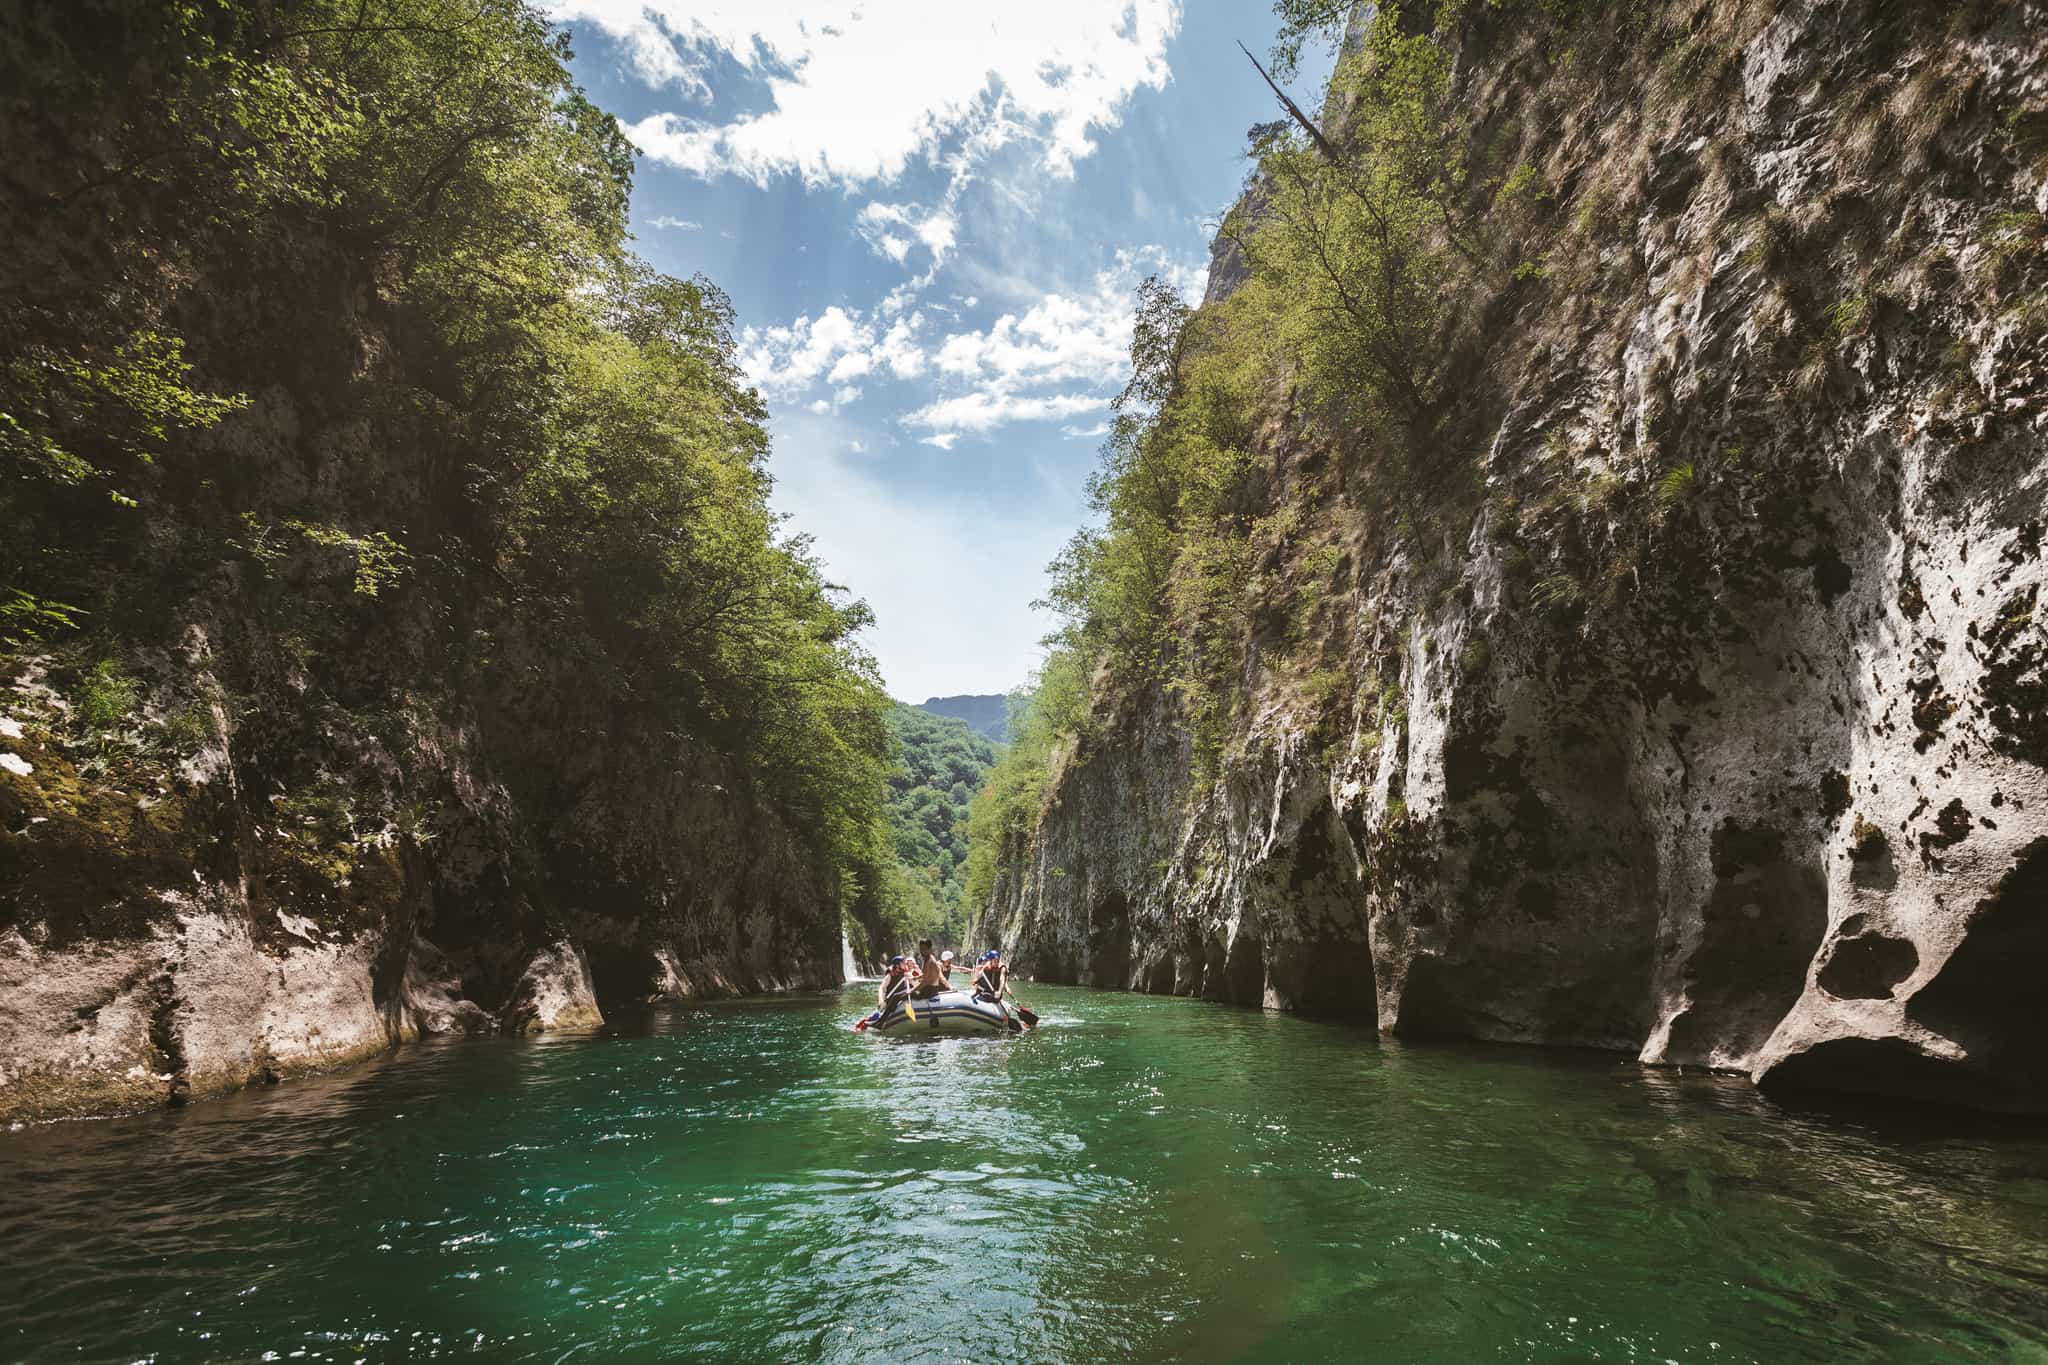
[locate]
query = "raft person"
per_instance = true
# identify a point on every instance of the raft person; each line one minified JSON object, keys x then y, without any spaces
{"x":931,"y":971}
{"x":894,"y":990}
{"x":895,"y":985}
{"x":990,"y":982}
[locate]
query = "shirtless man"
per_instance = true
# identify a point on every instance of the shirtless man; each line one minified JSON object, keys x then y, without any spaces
{"x":931,"y":971}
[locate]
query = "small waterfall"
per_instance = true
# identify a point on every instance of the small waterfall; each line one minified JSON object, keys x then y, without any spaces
{"x":848,"y":970}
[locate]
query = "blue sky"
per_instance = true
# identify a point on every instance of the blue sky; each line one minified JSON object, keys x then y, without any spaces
{"x":932,"y":216}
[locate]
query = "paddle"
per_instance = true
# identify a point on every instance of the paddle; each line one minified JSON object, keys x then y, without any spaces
{"x":1030,"y":1019}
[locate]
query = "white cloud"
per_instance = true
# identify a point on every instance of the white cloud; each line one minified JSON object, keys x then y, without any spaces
{"x":899,"y":349}
{"x":857,"y":89}
{"x":650,"y":45}
{"x":1062,"y":337}
{"x":984,"y":411}
{"x":1075,"y":344}
{"x":787,"y":360}
{"x":1061,"y":358}
{"x":895,"y":230}
{"x":1083,"y":433}
{"x":679,"y":224}
{"x":833,"y":348}
{"x":852,"y":365}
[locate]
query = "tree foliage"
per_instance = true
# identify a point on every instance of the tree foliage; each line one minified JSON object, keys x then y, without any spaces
{"x":318,"y":322}
{"x":941,"y":763}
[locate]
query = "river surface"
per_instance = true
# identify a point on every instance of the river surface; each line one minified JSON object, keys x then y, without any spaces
{"x":1142,"y":1178}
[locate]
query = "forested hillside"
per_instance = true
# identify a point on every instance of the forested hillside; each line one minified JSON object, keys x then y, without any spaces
{"x":396,"y":634}
{"x":989,"y":714}
{"x":940,"y":764}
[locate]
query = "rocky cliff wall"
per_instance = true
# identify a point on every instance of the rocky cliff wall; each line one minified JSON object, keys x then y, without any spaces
{"x":1711,"y":727}
{"x":164,"y":937}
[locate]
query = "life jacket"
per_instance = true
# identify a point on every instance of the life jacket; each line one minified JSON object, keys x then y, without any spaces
{"x":897,"y":986}
{"x":991,"y":979}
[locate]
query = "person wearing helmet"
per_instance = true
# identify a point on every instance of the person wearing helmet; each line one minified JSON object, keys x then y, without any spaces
{"x":895,"y":989}
{"x":895,"y":984}
{"x":991,"y":982}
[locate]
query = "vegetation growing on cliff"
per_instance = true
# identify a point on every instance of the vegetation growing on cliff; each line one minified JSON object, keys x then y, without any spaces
{"x":330,"y":387}
{"x":1335,"y":329}
{"x":1045,"y":715}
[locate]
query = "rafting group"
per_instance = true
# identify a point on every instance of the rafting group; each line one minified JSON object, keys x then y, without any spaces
{"x":918,"y":996}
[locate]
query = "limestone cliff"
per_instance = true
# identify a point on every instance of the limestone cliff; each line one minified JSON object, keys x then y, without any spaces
{"x":1711,"y":724}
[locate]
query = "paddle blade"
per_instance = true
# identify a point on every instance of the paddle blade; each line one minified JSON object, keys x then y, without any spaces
{"x":1026,"y":1015}
{"x":861,"y":1026}
{"x":909,"y":1010}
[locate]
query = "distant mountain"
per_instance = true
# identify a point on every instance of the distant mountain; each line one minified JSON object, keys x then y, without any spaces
{"x":990,"y":715}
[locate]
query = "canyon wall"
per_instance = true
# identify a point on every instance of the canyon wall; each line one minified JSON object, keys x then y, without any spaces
{"x":163,"y":936}
{"x":1711,"y":726}
{"x":395,"y":636}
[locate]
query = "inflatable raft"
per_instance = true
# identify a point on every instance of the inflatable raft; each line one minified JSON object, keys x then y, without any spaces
{"x":949,"y":1012}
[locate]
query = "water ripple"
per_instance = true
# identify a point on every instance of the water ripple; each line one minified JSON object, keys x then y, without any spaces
{"x":1138,"y":1178}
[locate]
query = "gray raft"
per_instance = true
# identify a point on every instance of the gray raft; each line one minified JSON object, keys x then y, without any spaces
{"x":947,"y":1012}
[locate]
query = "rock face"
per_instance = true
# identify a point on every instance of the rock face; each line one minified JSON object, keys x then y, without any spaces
{"x":1769,"y":796}
{"x":158,"y":944}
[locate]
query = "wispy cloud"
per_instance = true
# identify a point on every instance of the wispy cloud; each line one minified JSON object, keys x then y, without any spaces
{"x":678,"y":224}
{"x":1061,"y":358}
{"x":895,"y":230}
{"x":985,"y":411}
{"x":788,"y":360}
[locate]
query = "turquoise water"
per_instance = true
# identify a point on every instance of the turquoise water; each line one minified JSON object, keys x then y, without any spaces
{"x":1143,"y":1178}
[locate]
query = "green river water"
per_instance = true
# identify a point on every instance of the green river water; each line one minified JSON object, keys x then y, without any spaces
{"x":1142,"y":1178}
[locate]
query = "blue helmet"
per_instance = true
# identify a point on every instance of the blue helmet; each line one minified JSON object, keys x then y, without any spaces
{"x":990,"y":956}
{"x":896,"y":961}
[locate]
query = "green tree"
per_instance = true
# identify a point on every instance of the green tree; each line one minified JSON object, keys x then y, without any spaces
{"x":318,"y":327}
